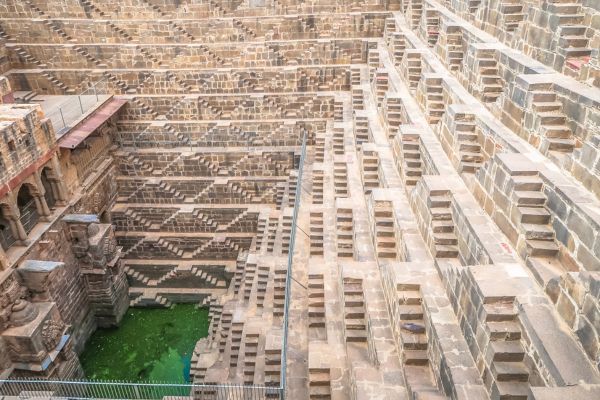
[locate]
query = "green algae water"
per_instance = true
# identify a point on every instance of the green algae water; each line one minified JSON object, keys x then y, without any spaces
{"x":152,"y":344}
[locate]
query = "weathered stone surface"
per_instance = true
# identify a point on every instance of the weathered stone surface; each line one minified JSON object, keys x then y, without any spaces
{"x":446,"y":242}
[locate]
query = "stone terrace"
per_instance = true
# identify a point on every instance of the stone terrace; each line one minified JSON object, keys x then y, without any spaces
{"x":447,"y":242}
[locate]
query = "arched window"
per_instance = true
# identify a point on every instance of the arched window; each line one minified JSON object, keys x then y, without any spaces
{"x":48,"y":187}
{"x":28,"y":208}
{"x":7,"y":238}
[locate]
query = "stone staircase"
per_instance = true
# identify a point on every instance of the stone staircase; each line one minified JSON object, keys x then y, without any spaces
{"x":469,"y":150}
{"x":573,"y":41}
{"x":489,"y":83}
{"x":150,"y":299}
{"x":531,"y":216}
{"x":345,"y":232}
{"x":506,"y":368}
{"x":369,"y":168}
{"x":410,"y":154}
{"x":551,"y":123}
{"x":250,"y":352}
{"x":317,"y":186}
{"x":136,"y":275}
{"x":414,"y":9}
{"x":361,"y":129}
{"x":208,"y":278}
{"x":340,"y":179}
{"x":319,"y":384}
{"x":411,"y":65}
{"x":233,"y":222}
{"x":410,"y":330}
{"x":316,"y":233}
{"x":393,"y":113}
{"x":28,"y":58}
{"x":57,"y":83}
{"x":431,"y":97}
{"x":89,"y":6}
{"x":384,"y":230}
{"x":442,"y":239}
{"x":512,"y":14}
{"x":430,"y":22}
{"x":316,"y":301}
{"x":355,"y":328}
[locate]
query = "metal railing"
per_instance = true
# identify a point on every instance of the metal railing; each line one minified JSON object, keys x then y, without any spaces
{"x":288,"y":279}
{"x":35,"y":388}
{"x":72,"y":109}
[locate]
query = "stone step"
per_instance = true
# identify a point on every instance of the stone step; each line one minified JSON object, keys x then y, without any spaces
{"x":573,"y":30}
{"x":506,"y":350}
{"x":415,"y":357}
{"x":573,"y":41}
{"x":556,"y":132}
{"x":546,"y":106}
{"x":511,"y":390}
{"x":527,"y":183}
{"x":442,"y":226}
{"x":561,"y":145}
{"x":503,"y":330}
{"x":469,"y":167}
{"x":570,"y":19}
{"x":511,"y":8}
{"x":469,"y":156}
{"x":410,"y":298}
{"x":542,"y":248}
{"x":440,"y":213}
{"x":438,"y":201}
{"x":411,"y":341}
{"x":410,"y":312}
{"x":319,"y":392}
{"x":542,"y":96}
{"x":533,"y":215}
{"x":537,"y":232}
{"x":561,"y":7}
{"x":448,"y":239}
{"x":552,"y":118}
{"x":356,"y":336}
{"x":446,"y":251}
{"x":499,"y":312}
{"x":574,"y":52}
{"x":529,"y":198}
{"x":507,"y":371}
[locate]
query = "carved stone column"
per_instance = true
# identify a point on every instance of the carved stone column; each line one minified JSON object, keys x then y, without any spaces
{"x":58,"y":184}
{"x":42,"y":206}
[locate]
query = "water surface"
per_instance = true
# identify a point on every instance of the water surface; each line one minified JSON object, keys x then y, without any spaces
{"x":152,"y":344}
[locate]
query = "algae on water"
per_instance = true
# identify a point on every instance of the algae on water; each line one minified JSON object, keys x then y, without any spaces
{"x":150,"y":345}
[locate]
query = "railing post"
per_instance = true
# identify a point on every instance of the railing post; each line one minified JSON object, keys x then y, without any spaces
{"x":62,"y":117}
{"x":288,"y":279}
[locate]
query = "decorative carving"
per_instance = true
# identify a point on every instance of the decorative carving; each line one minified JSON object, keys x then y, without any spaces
{"x":51,"y":334}
{"x":110,"y":247}
{"x":93,"y":230}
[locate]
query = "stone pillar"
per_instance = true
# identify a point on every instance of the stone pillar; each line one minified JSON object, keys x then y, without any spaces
{"x":58,"y":183}
{"x":98,"y":256}
{"x":4,"y":264}
{"x":18,"y":230}
{"x":42,"y":206}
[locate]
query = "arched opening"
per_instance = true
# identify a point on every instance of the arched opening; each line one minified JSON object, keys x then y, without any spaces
{"x":7,"y":238}
{"x":48,"y":187}
{"x":29,"y":212}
